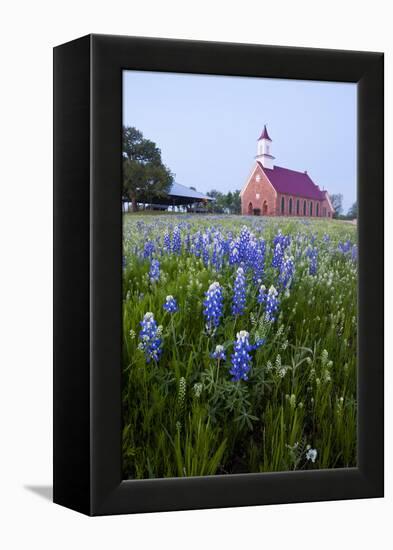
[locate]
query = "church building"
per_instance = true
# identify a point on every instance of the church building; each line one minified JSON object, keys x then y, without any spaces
{"x":271,"y":190}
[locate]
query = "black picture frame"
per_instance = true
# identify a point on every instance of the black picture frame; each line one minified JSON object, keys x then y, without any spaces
{"x":87,"y":274}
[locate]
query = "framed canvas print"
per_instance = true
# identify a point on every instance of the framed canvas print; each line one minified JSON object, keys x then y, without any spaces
{"x":218,"y":275}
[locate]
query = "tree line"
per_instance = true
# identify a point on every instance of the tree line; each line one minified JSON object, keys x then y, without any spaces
{"x":337,"y":203}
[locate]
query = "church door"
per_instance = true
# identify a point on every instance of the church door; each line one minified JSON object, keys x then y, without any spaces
{"x":250,"y":210}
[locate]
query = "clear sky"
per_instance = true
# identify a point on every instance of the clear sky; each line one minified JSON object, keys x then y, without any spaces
{"x":207,"y":127}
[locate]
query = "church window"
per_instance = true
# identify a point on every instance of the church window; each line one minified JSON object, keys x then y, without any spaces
{"x":297,"y":207}
{"x":310,"y":208}
{"x":282,"y":205}
{"x":290,"y":206}
{"x":317,"y":210}
{"x":304,"y":208}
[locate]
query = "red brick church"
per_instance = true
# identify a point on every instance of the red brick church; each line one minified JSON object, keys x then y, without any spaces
{"x":275,"y":191}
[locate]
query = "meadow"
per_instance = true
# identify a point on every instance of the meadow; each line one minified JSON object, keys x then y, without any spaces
{"x":239,"y":345}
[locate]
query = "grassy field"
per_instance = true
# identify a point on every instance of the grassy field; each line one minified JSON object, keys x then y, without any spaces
{"x":239,"y":345}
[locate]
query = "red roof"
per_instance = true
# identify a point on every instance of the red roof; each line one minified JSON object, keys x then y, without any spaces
{"x":295,"y":183}
{"x":264,"y":134}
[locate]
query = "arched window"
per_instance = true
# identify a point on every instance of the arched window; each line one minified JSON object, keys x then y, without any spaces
{"x":282,"y":205}
{"x":304,"y":208}
{"x":297,"y":207}
{"x":290,"y":206}
{"x":317,"y":210}
{"x":310,"y":208}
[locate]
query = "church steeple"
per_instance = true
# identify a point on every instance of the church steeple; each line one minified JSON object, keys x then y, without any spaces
{"x":264,"y":152}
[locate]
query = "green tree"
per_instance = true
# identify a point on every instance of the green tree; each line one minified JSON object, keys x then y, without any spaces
{"x":236,"y":202}
{"x":145,"y":177}
{"x":218,"y":204}
{"x":337,"y":203}
{"x":353,"y":211}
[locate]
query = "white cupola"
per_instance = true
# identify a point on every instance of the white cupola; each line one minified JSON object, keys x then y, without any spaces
{"x":264,"y":149}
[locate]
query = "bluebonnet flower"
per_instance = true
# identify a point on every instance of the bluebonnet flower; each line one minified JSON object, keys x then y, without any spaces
{"x":354,"y":253}
{"x":271,"y":301}
{"x":213,"y":306}
{"x":283,"y":240}
{"x":326,"y":238}
{"x":219,"y":353}
{"x":244,"y":240}
{"x":344,"y":248}
{"x":170,"y":304}
{"x":198,"y":244}
{"x":148,"y":249}
{"x":241,"y":358}
{"x":167,"y":242}
{"x":154,"y":273}
{"x":234,"y":255}
{"x":239,"y":295}
{"x":176,"y":241}
{"x":313,"y":255}
{"x":278,"y":255}
{"x":149,"y":336}
{"x":287,"y":270}
{"x":258,"y":264}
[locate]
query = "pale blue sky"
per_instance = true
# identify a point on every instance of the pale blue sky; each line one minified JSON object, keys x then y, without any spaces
{"x":207,"y":127}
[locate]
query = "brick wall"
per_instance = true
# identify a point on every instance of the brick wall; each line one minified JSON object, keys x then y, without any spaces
{"x":260,"y":194}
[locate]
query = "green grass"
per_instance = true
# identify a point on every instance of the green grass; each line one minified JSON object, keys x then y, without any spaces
{"x":183,"y":416}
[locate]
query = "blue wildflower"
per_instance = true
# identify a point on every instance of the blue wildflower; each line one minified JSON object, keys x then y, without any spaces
{"x":313,"y":255}
{"x":154,"y":273}
{"x":244,"y":240}
{"x":344,"y":248}
{"x":167,"y":242}
{"x":258,"y":263}
{"x":270,"y":299}
{"x":287,"y":270}
{"x":278,"y":255}
{"x":234,"y":255}
{"x":283,"y":240}
{"x":170,"y":304}
{"x":148,"y":249}
{"x":241,"y":358}
{"x":176,"y":241}
{"x":149,"y":336}
{"x":239,"y":294}
{"x":213,"y":306}
{"x":219,"y":353}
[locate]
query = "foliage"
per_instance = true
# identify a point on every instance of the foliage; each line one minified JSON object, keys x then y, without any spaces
{"x":287,"y":400}
{"x":353,"y":211}
{"x":337,"y":203}
{"x":145,"y":177}
{"x":228,"y":203}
